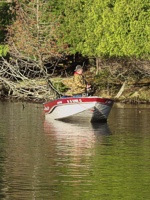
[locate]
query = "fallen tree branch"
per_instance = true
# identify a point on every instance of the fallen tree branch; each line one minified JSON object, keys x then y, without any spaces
{"x":121,"y":90}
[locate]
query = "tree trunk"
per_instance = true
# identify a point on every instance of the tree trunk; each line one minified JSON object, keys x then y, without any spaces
{"x":98,"y":65}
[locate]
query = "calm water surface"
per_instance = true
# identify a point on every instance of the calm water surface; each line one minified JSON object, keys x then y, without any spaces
{"x":55,"y":160}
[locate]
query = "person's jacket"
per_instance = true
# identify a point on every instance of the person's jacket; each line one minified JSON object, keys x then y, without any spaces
{"x":77,"y":84}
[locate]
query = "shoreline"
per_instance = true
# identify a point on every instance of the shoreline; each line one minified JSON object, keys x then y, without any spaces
{"x":43,"y":100}
{"x":38,"y":91}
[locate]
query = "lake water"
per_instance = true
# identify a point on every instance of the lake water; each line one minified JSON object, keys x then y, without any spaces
{"x":60,"y":161}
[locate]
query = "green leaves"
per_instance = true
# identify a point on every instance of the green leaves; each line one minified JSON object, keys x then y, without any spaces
{"x":3,"y":50}
{"x":5,"y":19}
{"x":107,"y":28}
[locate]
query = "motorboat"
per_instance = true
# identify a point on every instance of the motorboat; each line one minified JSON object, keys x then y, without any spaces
{"x":91,"y":108}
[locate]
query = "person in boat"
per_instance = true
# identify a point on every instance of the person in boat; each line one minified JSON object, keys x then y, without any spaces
{"x":80,"y":86}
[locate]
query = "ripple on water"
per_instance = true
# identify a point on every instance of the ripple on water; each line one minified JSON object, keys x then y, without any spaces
{"x":57,"y":160}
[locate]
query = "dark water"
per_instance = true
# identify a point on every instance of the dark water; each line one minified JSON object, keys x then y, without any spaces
{"x":50,"y":161}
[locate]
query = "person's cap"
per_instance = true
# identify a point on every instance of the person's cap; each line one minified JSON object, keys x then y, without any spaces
{"x":78,"y":67}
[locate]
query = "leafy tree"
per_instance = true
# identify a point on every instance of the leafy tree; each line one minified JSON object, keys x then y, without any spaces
{"x":72,"y":24}
{"x":4,"y":21}
{"x":33,"y":34}
{"x":109,"y":28}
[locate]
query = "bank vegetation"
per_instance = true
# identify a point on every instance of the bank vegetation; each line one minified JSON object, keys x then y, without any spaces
{"x":44,"y":40}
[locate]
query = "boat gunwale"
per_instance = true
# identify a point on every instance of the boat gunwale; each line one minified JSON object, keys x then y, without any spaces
{"x":95,"y":99}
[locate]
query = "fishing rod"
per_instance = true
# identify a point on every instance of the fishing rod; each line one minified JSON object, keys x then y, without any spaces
{"x":50,"y":84}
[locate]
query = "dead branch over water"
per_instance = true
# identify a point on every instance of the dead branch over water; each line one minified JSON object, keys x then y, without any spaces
{"x":25,"y":80}
{"x":21,"y":82}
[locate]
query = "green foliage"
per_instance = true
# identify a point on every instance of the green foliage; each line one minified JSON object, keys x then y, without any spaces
{"x":3,"y":50}
{"x":109,"y":28}
{"x":60,"y":87}
{"x":71,"y":27}
{"x":5,"y":20}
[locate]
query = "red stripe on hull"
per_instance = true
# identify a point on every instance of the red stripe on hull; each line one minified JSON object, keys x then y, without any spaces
{"x":71,"y":100}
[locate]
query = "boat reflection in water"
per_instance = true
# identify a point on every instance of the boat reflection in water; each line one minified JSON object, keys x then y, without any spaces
{"x":76,"y":138}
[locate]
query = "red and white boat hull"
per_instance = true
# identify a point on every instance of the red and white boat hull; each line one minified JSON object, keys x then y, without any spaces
{"x":83,"y":108}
